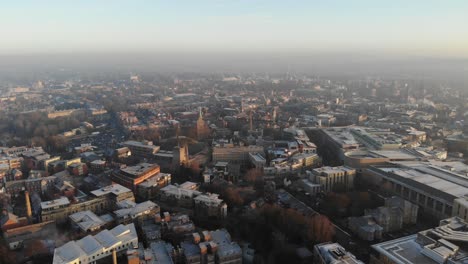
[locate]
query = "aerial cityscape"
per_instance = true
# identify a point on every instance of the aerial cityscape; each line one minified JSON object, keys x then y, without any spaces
{"x":227,"y":132}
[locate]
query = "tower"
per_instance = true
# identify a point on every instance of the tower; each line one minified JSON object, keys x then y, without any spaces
{"x":202,"y":128}
{"x":250,"y":121}
{"x":28,"y":206}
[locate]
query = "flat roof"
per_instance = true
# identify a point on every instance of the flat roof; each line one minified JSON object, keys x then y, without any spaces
{"x":336,"y":254}
{"x":434,"y":182}
{"x":404,"y":250}
{"x":140,"y":168}
{"x":114,"y":188}
{"x":53,"y":203}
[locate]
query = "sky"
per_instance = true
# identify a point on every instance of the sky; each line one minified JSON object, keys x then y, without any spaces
{"x":417,"y":27}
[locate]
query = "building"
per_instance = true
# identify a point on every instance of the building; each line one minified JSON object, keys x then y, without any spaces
{"x":17,"y":237}
{"x":123,"y":153}
{"x":87,"y":221}
{"x":149,"y":188}
{"x":365,"y":227}
{"x":338,"y":140}
{"x":361,"y":159}
{"x":177,"y":195}
{"x":144,"y":149}
{"x":333,"y":253}
{"x":211,"y":247}
{"x":433,"y":186}
{"x":442,"y":244}
{"x":92,"y":249}
{"x":131,"y":176}
{"x":100,"y":201}
{"x":389,"y":218}
{"x":235,"y":154}
{"x":257,"y":160}
{"x":210,"y":205}
{"x":186,"y":195}
{"x":130,"y":211}
{"x":306,"y":160}
{"x":39,"y":185}
{"x":333,"y":177}
{"x":176,"y":226}
{"x":158,"y":252}
{"x":458,"y":143}
{"x":310,"y":187}
{"x":376,"y":139}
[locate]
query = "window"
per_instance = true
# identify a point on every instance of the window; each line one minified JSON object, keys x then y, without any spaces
{"x":448,"y":210}
{"x":422,"y":199}
{"x":430,"y":202}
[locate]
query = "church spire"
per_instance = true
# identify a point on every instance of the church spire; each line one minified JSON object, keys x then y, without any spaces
{"x":200,"y":115}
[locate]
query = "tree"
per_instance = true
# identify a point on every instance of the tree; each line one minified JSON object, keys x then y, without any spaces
{"x":253,"y":175}
{"x":233,"y":197}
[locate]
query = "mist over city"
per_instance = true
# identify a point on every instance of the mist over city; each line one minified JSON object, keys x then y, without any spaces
{"x":225,"y":132}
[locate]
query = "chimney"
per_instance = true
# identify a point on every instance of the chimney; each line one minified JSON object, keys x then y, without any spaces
{"x":114,"y":256}
{"x":206,"y":235}
{"x":28,"y":206}
{"x":203,"y":248}
{"x":196,"y":238}
{"x":167,"y":216}
{"x":157,"y":219}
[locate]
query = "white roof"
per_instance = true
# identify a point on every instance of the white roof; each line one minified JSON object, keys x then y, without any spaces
{"x":114,"y":188}
{"x":86,"y":220}
{"x":57,"y":202}
{"x":89,"y":245}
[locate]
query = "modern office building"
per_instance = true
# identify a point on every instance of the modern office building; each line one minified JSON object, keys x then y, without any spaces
{"x":131,"y":176}
{"x":434,"y":186}
{"x":331,"y":177}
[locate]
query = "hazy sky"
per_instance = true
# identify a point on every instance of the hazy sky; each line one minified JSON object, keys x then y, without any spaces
{"x":419,"y":27}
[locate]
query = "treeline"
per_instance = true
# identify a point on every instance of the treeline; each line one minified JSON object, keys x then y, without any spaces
{"x":37,"y":129}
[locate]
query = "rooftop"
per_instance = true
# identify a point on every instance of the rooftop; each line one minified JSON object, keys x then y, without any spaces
{"x":139,"y":169}
{"x":116,"y":189}
{"x":103,"y":241}
{"x":87,"y":220}
{"x":334,"y":253}
{"x":442,"y":244}
{"x":53,"y":203}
